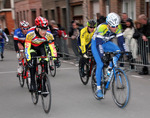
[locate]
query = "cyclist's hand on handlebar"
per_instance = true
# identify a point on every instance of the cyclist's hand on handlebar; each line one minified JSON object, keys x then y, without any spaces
{"x":85,"y":56}
{"x":30,"y":65}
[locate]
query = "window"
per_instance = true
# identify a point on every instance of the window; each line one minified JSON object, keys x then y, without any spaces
{"x":129,"y":8}
{"x":53,"y":14}
{"x":46,"y":14}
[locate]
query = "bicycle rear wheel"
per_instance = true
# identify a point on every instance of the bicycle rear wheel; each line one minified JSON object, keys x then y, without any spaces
{"x":46,"y":94}
{"x":84,"y":72}
{"x":52,"y":67}
{"x":120,"y":88}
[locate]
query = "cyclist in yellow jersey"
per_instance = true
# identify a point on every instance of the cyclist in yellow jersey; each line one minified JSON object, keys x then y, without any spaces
{"x":84,"y":40}
{"x":35,"y":46}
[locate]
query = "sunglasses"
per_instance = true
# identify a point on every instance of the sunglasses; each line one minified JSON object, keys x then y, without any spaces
{"x":91,"y":27}
{"x":25,"y":28}
{"x":114,"y":26}
{"x":43,"y":29}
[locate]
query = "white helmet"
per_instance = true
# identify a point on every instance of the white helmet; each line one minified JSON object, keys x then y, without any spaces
{"x":113,"y":19}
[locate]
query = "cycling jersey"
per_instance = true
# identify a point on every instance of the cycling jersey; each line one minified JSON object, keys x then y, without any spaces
{"x":19,"y":36}
{"x":34,"y":40}
{"x":84,"y":40}
{"x":103,"y":35}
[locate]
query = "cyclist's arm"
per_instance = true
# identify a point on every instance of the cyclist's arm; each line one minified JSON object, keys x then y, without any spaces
{"x":5,"y":36}
{"x":121,"y":42}
{"x":50,"y":37}
{"x":82,"y":40}
{"x":28,"y":47}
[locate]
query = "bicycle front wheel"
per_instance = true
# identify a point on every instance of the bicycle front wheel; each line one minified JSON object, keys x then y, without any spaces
{"x":28,"y":79}
{"x":46,"y":94}
{"x":21,"y":79}
{"x":120,"y":88}
{"x":84,"y":72}
{"x":52,"y":67}
{"x":35,"y":94}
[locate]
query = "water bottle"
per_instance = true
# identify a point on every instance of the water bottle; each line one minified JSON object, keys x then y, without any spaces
{"x":109,"y":71}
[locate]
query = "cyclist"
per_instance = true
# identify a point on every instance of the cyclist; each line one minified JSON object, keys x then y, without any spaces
{"x":19,"y":39}
{"x":35,"y":46}
{"x":2,"y":37}
{"x":84,"y":40}
{"x":101,"y":42}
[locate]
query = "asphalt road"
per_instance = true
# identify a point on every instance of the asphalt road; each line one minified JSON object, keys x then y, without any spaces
{"x":70,"y":98}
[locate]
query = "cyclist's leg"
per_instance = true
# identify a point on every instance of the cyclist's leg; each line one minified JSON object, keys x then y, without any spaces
{"x":2,"y":49}
{"x":99,"y":66}
{"x":32,"y":72}
{"x":112,"y":47}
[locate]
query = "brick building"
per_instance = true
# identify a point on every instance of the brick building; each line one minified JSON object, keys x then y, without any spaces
{"x":6,"y":18}
{"x":27,"y":10}
{"x":63,"y":11}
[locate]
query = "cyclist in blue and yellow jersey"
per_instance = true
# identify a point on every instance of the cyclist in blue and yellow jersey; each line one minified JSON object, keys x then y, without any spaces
{"x":35,"y":46}
{"x":19,"y":39}
{"x":101,"y":42}
{"x":84,"y":40}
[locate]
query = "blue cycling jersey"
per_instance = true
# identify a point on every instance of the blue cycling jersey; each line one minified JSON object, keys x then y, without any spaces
{"x":19,"y":36}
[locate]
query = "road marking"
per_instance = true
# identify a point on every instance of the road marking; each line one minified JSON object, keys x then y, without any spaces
{"x":56,"y":70}
{"x":136,"y":76}
{"x":8,"y":72}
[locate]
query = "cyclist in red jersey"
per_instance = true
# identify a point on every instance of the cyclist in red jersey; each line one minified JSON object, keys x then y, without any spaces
{"x":35,"y":46}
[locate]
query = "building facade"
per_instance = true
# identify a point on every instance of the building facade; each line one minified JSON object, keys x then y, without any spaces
{"x":6,"y":16}
{"x":64,"y":11}
{"x":27,"y":10}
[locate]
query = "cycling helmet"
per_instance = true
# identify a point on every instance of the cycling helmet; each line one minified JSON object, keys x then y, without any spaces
{"x":41,"y":22}
{"x":24,"y":24}
{"x":113,"y":19}
{"x":91,"y":23}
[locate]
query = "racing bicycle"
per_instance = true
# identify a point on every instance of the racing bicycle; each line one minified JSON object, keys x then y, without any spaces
{"x":43,"y":86}
{"x":117,"y":79}
{"x":85,"y":68}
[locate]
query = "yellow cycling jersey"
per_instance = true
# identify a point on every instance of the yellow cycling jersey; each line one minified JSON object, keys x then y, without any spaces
{"x":33,"y":39}
{"x":85,"y":39}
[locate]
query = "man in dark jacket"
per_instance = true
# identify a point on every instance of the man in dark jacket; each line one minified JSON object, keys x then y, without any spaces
{"x":145,"y":30}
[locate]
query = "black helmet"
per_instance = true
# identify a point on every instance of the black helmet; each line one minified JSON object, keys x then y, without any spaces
{"x":91,"y":23}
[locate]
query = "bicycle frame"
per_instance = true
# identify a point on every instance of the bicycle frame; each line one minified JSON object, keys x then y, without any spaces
{"x":40,"y":75}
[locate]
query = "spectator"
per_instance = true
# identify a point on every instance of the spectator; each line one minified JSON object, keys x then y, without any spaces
{"x":124,"y":17}
{"x":102,"y":19}
{"x":54,"y":30}
{"x":73,"y":34}
{"x":145,"y":30}
{"x":130,"y":42}
{"x":6,"y":31}
{"x":63,"y":37}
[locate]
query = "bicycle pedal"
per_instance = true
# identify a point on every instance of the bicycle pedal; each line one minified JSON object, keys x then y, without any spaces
{"x":44,"y":93}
